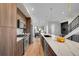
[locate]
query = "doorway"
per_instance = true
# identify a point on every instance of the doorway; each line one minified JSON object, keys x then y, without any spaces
{"x":64,"y":28}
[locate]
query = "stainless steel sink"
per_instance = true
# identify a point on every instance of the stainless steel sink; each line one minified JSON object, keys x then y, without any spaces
{"x":46,"y":35}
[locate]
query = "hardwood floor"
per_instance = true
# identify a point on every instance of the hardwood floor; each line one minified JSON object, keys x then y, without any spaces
{"x":35,"y":49}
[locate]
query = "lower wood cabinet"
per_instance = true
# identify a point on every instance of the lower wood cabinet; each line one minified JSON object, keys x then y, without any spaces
{"x":42,"y":41}
{"x":50,"y":52}
{"x":46,"y":48}
{"x":20,"y":48}
{"x":7,"y":41}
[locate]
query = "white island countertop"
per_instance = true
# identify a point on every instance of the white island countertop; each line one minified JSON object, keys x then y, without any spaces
{"x":68,"y":48}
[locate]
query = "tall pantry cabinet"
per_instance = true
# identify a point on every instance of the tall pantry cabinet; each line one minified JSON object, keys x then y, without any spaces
{"x":7,"y":29}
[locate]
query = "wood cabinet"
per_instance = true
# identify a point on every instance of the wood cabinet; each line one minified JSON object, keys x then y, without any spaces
{"x":7,"y":41}
{"x":8,"y":15}
{"x":20,"y":48}
{"x":8,"y":26}
{"x":42,"y":41}
{"x":28,"y":28}
{"x":22,"y":21}
{"x":50,"y":52}
{"x":28,"y":25}
{"x":46,"y":48}
{"x":7,"y":29}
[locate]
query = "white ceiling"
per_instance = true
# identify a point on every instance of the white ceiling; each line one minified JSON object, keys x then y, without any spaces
{"x":40,"y":12}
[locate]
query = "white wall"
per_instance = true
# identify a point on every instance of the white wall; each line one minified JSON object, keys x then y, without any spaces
{"x":54,"y":28}
{"x":51,"y":27}
{"x":46,"y":28}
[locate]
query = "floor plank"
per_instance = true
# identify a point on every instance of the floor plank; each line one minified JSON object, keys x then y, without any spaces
{"x":35,"y":49}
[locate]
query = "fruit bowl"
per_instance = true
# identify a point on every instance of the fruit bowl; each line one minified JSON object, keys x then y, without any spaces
{"x":60,"y":39}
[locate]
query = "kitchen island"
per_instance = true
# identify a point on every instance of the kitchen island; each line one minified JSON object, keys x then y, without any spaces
{"x":68,"y":48}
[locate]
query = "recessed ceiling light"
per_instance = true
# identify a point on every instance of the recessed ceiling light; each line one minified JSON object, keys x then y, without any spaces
{"x":32,"y":9}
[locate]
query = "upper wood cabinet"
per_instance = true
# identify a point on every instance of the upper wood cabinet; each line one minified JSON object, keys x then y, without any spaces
{"x":28,"y":25}
{"x":20,"y":15}
{"x":8,"y":15}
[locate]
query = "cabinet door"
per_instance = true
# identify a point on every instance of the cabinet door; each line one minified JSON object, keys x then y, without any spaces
{"x":20,"y":48}
{"x":8,"y":14}
{"x":46,"y":48}
{"x":50,"y":51}
{"x":7,"y":41}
